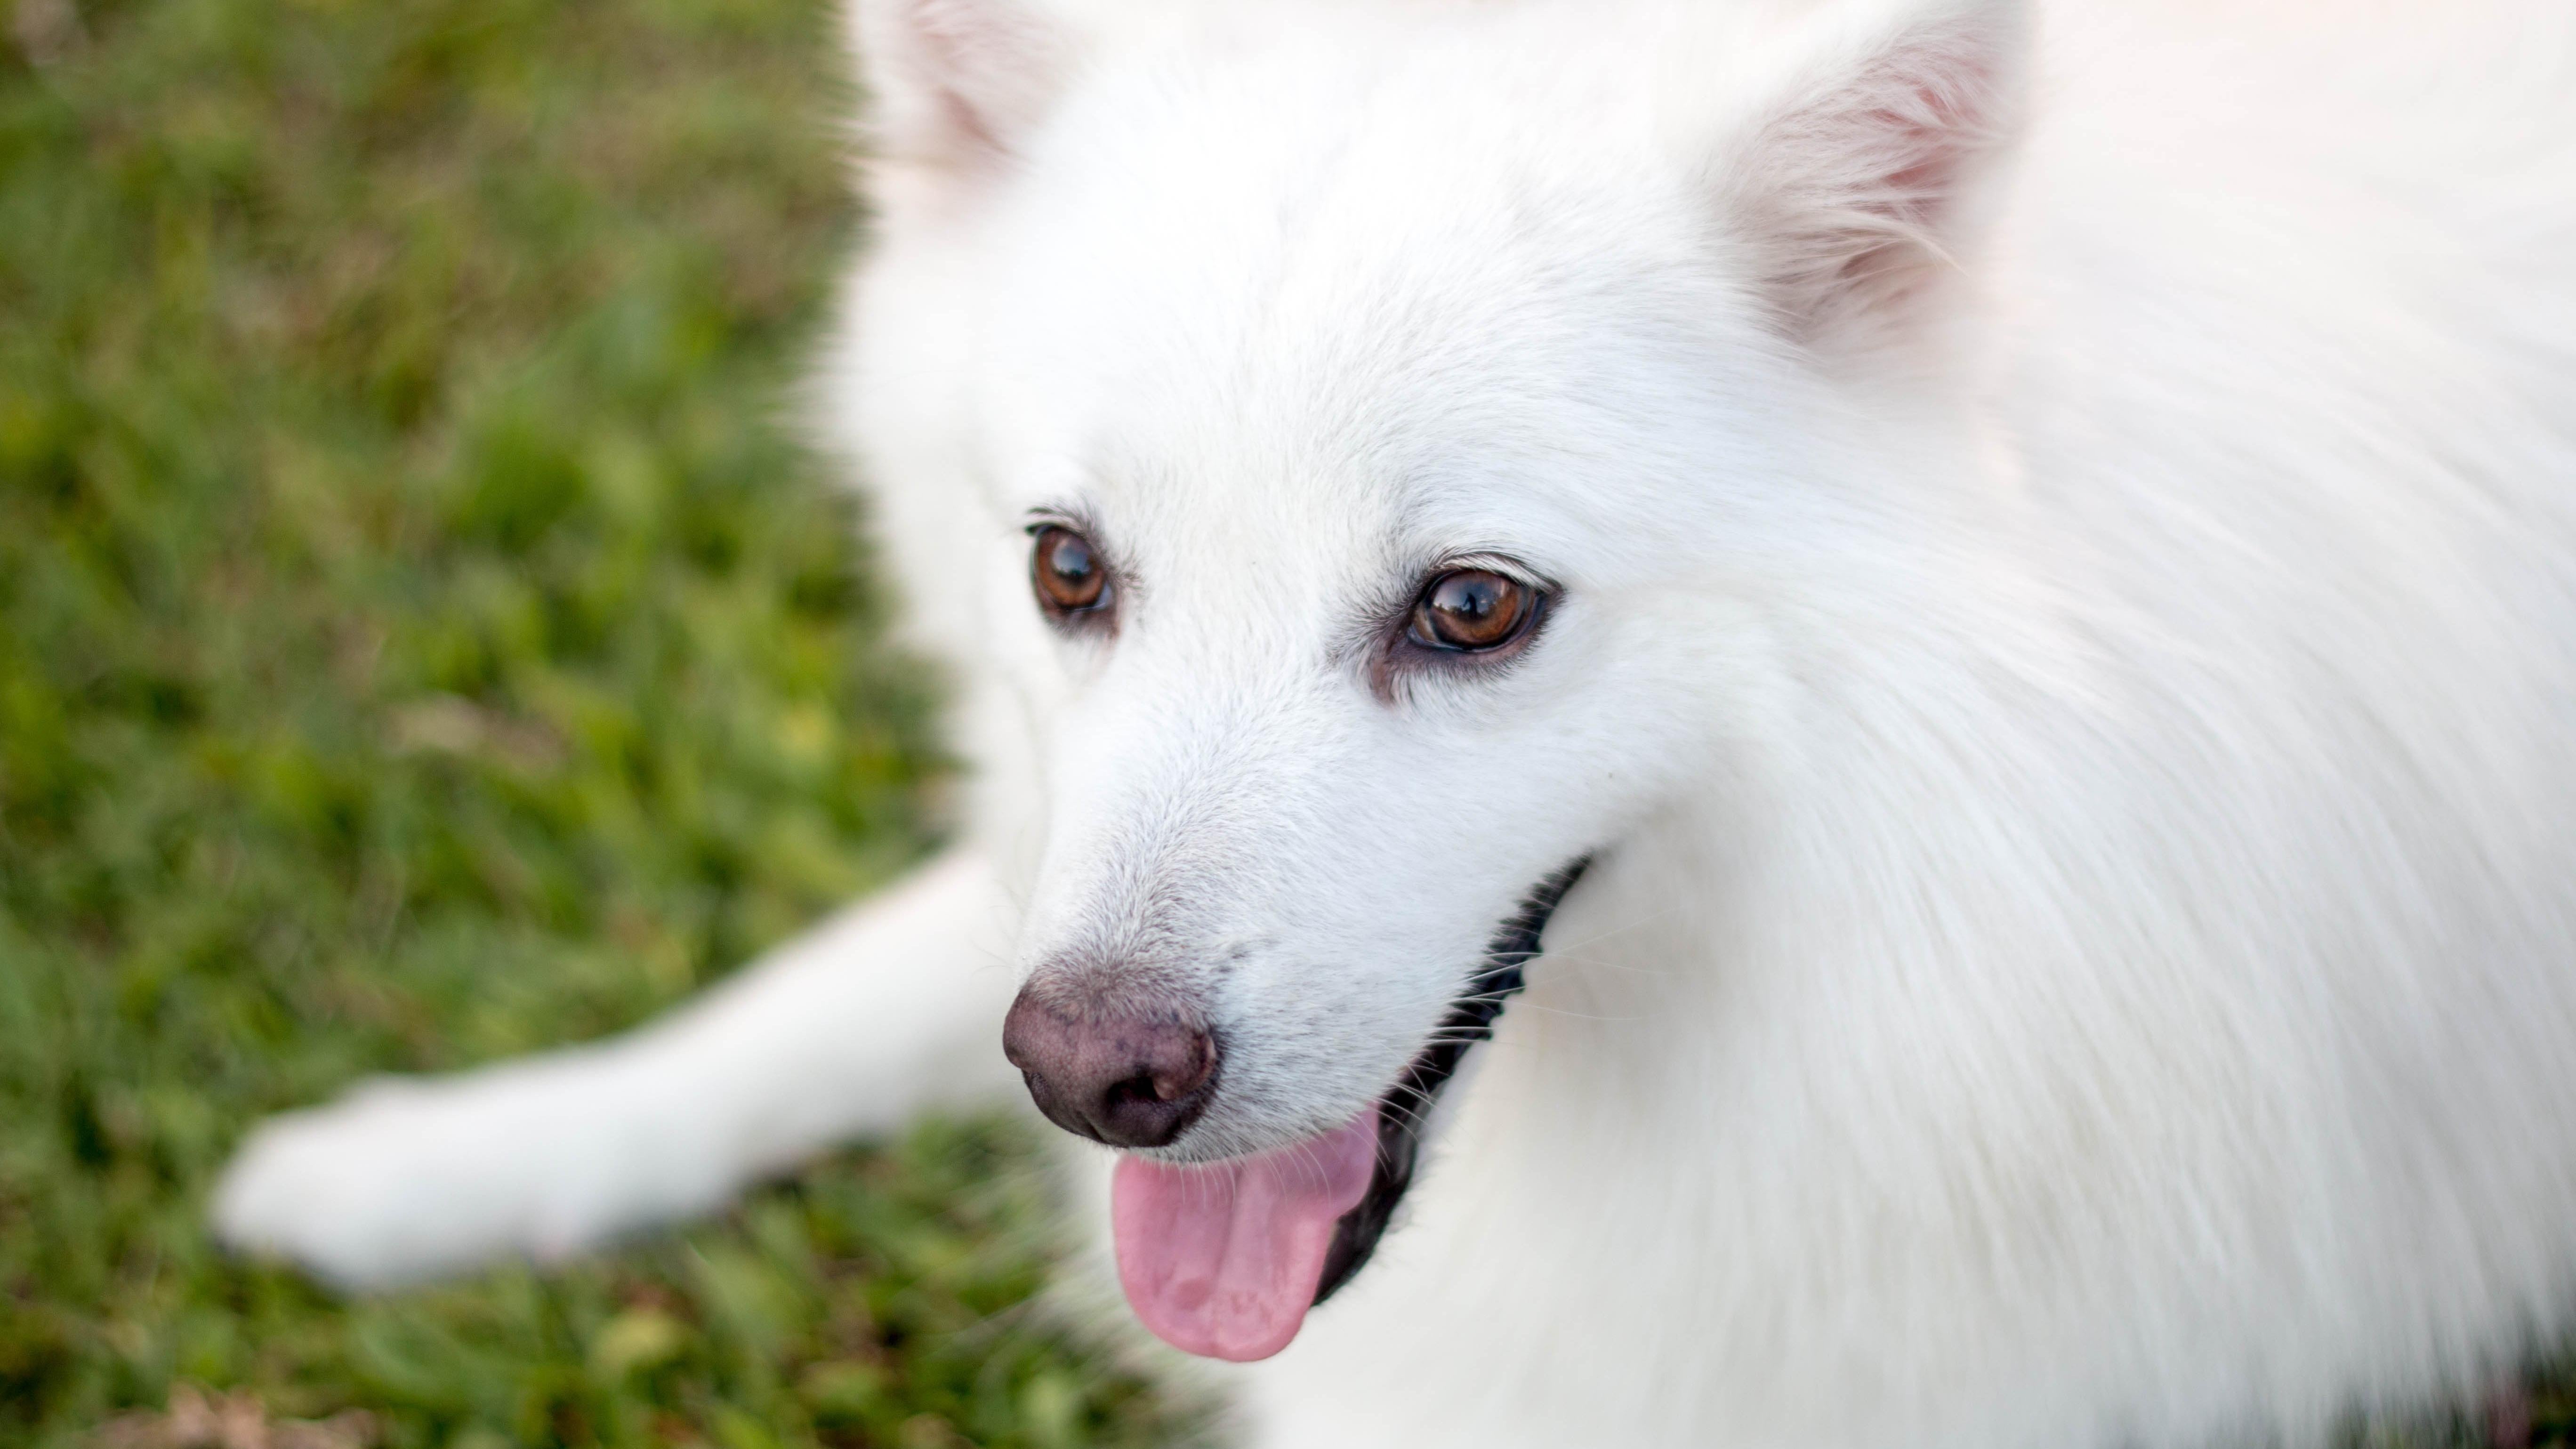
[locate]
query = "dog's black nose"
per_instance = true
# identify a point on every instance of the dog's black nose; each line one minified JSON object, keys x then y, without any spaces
{"x":1125,"y":1080}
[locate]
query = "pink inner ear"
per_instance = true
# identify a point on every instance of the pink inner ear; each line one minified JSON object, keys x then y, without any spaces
{"x":957,"y":58}
{"x":1854,"y":191}
{"x":1942,"y":129}
{"x":959,"y":81}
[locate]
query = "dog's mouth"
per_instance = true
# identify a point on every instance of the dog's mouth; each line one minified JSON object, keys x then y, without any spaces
{"x":1224,"y":1260}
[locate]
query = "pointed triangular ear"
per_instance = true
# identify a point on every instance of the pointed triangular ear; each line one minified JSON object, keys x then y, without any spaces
{"x":955,"y":86}
{"x":1854,"y":190}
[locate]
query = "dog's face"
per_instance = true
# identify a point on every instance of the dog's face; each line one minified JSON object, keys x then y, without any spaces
{"x":1389,"y":475}
{"x":1337,"y":547}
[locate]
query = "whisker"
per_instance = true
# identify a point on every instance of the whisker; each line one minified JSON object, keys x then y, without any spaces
{"x":1637,"y":923}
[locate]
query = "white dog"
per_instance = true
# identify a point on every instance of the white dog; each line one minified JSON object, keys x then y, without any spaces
{"x":2033,"y":557}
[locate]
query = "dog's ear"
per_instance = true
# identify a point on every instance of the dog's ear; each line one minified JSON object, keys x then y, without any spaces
{"x":1853,"y":186}
{"x":955,"y":86}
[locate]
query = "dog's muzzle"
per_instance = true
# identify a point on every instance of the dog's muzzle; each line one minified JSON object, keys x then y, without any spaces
{"x":1224,"y":1258}
{"x":1405,"y":1110}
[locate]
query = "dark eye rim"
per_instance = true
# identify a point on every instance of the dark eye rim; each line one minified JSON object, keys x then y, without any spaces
{"x":1536,"y":595}
{"x":1101,"y":612}
{"x":1400,"y":655}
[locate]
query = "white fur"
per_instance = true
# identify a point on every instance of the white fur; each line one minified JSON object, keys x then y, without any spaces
{"x":2074,"y":712}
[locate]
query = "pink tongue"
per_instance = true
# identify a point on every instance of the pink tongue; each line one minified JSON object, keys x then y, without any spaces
{"x":1223,"y":1260}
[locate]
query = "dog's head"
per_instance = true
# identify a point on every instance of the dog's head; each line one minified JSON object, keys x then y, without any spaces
{"x":1389,"y":446}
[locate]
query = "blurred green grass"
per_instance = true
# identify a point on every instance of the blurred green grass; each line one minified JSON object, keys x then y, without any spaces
{"x":421,"y":640}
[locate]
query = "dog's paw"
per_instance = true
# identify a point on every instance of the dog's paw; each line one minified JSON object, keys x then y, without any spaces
{"x":405,"y":1180}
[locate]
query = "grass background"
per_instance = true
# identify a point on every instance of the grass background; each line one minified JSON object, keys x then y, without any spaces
{"x":420,"y":642}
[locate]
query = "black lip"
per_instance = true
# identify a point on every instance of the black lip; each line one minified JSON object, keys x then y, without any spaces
{"x":1406,"y":1107}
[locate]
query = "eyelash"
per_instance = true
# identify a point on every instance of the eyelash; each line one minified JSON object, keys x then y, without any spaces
{"x":1395,"y":659}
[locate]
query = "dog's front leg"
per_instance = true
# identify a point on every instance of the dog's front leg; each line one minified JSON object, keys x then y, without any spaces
{"x":892,"y":1006}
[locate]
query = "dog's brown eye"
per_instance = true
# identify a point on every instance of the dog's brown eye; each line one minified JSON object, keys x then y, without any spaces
{"x":1472,"y":610}
{"x":1068,"y":575}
